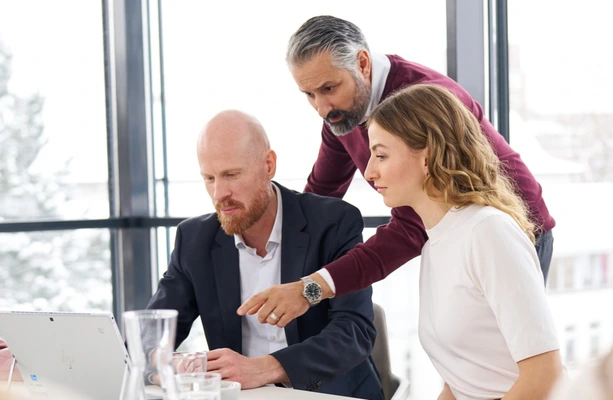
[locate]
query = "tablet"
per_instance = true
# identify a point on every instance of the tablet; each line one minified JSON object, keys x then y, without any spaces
{"x":81,"y":352}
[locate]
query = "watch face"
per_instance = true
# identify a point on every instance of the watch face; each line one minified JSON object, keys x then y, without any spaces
{"x":312,"y":291}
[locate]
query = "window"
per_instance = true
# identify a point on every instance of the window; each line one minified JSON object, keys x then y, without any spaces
{"x":561,"y":122}
{"x":607,"y":277}
{"x":52,"y":112}
{"x":595,"y":339}
{"x":247,"y":71}
{"x":554,"y":279}
{"x":589,"y":280}
{"x":599,"y":267}
{"x":568,"y":269}
{"x":56,"y":271}
{"x":53,"y":141}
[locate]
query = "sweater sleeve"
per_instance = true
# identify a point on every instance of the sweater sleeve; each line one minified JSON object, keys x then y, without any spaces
{"x":333,"y":170}
{"x":395,"y":243}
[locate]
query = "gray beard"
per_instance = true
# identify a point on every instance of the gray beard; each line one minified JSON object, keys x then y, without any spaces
{"x":353,"y":116}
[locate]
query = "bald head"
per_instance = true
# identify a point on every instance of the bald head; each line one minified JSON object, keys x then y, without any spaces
{"x":237,"y":166}
{"x":236,"y":131}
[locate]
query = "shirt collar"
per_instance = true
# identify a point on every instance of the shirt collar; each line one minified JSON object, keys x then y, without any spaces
{"x":275,"y":234}
{"x":438,"y":231}
{"x":380,"y":66}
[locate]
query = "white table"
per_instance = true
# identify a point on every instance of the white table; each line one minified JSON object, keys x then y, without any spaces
{"x":264,"y":393}
{"x":278,"y":393}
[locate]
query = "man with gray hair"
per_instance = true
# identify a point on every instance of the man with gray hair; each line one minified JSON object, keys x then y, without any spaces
{"x":343,"y":81}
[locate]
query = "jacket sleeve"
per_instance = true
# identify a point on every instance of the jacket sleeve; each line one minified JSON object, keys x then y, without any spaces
{"x":176,"y":292}
{"x":333,"y":170}
{"x":349,"y":336}
{"x":395,"y":243}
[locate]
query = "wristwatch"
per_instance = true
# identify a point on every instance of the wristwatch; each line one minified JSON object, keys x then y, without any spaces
{"x":311,"y":290}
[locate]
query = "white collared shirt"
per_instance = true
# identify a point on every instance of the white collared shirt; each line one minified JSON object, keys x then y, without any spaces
{"x":380,"y":67}
{"x":257,"y":274}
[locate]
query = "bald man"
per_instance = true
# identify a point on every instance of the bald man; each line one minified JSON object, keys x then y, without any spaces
{"x":263,"y":234}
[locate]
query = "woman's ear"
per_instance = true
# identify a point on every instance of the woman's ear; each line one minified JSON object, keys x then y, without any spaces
{"x":424,"y":155}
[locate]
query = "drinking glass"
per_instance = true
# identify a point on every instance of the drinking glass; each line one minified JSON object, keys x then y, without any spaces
{"x":150,"y":336}
{"x":193,"y":361}
{"x":199,"y":386}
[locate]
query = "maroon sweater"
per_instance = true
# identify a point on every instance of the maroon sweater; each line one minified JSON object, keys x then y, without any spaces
{"x":404,"y":236}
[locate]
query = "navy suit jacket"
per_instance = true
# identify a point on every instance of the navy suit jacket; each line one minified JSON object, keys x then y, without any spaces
{"x":329,"y":346}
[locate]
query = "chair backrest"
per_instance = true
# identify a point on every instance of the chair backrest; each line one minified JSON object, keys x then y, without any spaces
{"x":381,"y":354}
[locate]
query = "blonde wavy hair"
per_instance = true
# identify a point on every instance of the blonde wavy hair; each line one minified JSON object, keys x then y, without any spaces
{"x":462,"y":166}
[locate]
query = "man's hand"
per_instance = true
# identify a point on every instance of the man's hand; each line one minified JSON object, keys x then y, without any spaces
{"x":285,"y":302}
{"x":249,"y":372}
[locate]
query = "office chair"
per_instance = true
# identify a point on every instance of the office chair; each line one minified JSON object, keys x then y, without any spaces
{"x":394,"y":387}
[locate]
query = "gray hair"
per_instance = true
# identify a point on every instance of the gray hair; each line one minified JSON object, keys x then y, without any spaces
{"x":324,"y":33}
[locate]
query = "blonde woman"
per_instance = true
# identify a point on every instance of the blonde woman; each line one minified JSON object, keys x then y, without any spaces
{"x":484,"y":319}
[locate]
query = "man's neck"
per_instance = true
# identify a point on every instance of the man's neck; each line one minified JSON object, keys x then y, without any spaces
{"x":257,"y":236}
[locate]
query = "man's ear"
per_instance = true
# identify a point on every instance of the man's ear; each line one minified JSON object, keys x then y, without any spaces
{"x":271,"y":163}
{"x":364,"y":64}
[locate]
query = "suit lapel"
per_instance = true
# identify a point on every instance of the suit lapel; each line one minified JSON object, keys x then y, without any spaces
{"x":227,"y":282}
{"x":294,"y":248}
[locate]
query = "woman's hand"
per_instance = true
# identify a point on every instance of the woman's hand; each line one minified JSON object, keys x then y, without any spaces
{"x":280,"y":304}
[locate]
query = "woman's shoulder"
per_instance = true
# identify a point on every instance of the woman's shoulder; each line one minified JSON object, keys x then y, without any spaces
{"x":476,"y":214}
{"x":487,"y":223}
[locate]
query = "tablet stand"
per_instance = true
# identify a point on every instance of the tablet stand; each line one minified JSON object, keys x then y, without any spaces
{"x":11,"y":371}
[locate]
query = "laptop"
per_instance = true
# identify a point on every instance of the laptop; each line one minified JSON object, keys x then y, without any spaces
{"x":82,"y":353}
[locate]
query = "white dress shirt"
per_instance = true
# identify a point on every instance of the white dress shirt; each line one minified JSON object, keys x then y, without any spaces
{"x":380,"y":66}
{"x":258,"y":274}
